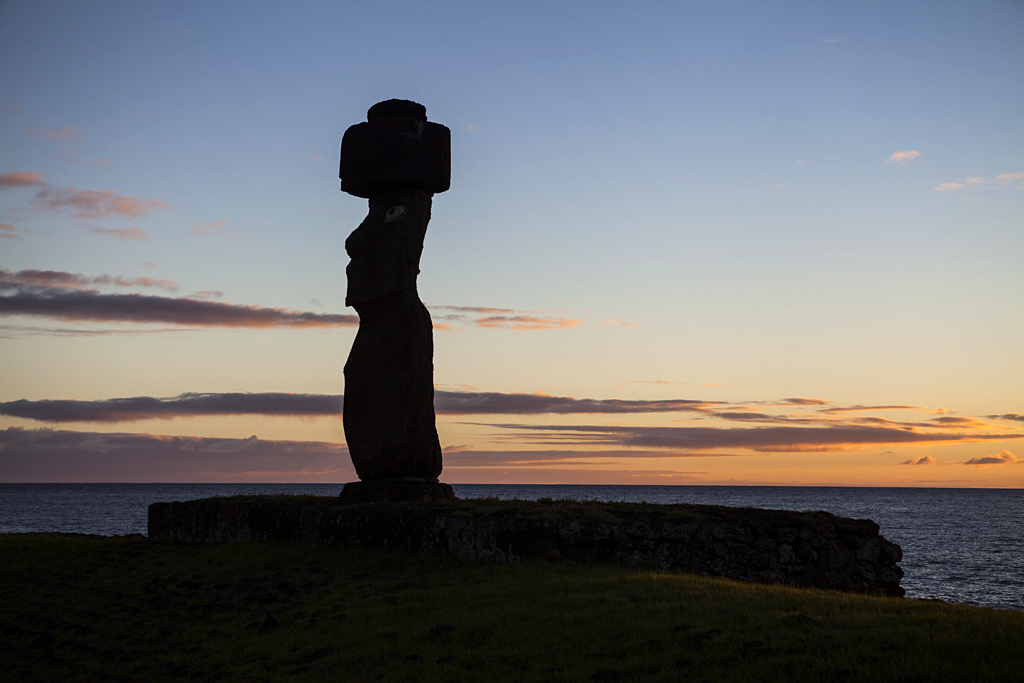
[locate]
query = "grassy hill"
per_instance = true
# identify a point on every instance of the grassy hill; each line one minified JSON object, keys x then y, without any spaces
{"x":76,"y":608}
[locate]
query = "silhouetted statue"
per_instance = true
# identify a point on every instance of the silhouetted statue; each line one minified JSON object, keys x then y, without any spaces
{"x":397,"y":160}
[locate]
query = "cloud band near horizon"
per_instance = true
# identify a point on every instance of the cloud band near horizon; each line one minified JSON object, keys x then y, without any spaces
{"x":137,"y":408}
{"x":91,"y":306}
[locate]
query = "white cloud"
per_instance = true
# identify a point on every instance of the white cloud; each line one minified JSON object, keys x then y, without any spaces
{"x":979,"y":181}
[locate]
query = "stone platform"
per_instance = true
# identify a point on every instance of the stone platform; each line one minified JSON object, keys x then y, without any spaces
{"x":808,"y":549}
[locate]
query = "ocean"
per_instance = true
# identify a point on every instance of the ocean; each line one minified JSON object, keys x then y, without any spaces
{"x":959,"y":545}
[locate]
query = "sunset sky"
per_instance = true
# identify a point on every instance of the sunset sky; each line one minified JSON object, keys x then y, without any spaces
{"x":685,"y":242}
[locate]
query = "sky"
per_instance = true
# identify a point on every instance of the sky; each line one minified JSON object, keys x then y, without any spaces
{"x":685,"y":242}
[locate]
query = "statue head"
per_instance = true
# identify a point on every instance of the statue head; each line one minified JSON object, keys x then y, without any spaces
{"x":395,"y":149}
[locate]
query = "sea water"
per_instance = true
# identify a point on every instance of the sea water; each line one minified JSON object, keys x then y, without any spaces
{"x":959,"y":545}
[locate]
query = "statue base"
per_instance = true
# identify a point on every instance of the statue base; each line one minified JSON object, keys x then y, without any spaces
{"x":395,"y":491}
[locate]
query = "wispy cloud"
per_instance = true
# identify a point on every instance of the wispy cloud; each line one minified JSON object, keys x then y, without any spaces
{"x":61,"y":134}
{"x":206,"y":294}
{"x":959,"y":423}
{"x":495,"y":403}
{"x":903,"y":158}
{"x":216,"y":228}
{"x":9,"y":232}
{"x":61,"y":279}
{"x":503,"y":318}
{"x":853,"y":409}
{"x":92,"y":204}
{"x":186,"y":405}
{"x":131,"y":233}
{"x":49,"y":455}
{"x":1003,"y":457}
{"x":86,"y":204}
{"x":758,"y":439}
{"x":1012,"y":417}
{"x":995,"y":182}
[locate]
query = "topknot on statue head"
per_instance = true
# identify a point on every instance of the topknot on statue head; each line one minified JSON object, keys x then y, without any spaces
{"x":396,"y":149}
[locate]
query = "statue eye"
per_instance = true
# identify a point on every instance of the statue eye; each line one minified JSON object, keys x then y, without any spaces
{"x":394,"y":213}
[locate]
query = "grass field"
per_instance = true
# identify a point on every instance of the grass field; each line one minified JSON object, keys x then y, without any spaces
{"x":128,"y":609}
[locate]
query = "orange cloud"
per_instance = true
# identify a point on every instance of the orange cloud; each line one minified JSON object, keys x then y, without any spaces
{"x":9,"y":232}
{"x":505,"y":318}
{"x":132,"y":233}
{"x":923,"y":460}
{"x":959,"y":422}
{"x":1003,"y":457}
{"x":474,"y":309}
{"x":852,"y":409}
{"x":526,"y":322}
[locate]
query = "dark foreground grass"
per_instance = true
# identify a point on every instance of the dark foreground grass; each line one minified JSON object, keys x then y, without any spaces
{"x":129,"y":609}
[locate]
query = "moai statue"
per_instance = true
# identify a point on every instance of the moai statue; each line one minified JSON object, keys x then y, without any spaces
{"x":397,"y":160}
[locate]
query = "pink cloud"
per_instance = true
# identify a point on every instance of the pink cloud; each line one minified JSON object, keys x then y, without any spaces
{"x":65,"y":133}
{"x":21,"y":179}
{"x":903,"y":158}
{"x":9,"y":232}
{"x":215,"y":228}
{"x":206,"y":294}
{"x":91,"y":204}
{"x":132,"y":233}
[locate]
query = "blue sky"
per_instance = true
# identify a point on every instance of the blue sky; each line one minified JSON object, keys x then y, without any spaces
{"x":738,"y":202}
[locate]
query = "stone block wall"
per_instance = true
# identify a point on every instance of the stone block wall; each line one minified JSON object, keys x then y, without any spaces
{"x":809,"y":549}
